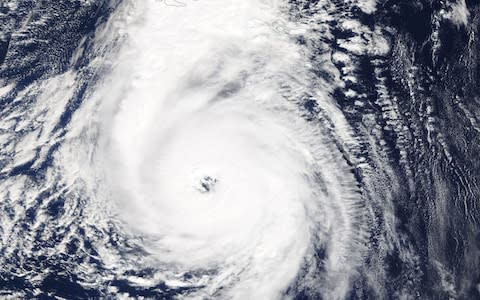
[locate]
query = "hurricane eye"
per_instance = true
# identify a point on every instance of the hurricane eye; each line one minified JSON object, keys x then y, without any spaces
{"x":207,"y":184}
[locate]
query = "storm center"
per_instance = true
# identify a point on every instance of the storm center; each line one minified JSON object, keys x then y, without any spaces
{"x":206,"y":184}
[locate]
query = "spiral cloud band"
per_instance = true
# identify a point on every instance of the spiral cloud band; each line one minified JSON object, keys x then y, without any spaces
{"x":209,"y":159}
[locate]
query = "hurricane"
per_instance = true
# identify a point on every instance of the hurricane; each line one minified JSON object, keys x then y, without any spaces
{"x":255,"y":149}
